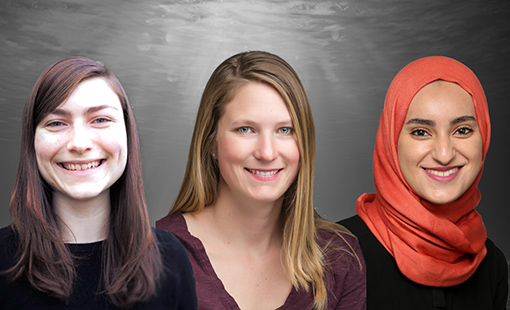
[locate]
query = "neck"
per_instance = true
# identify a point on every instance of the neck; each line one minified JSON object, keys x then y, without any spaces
{"x":83,"y":221}
{"x":256,"y":226}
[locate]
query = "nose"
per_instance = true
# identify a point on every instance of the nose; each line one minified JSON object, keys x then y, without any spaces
{"x":444,"y":150}
{"x":266,"y":148}
{"x":79,"y":139}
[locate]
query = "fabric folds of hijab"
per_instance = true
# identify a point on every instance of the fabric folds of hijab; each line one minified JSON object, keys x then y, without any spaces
{"x":433,"y":245}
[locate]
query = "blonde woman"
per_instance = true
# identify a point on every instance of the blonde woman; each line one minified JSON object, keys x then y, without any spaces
{"x":245,"y":211}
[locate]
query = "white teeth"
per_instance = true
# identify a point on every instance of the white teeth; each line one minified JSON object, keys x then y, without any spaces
{"x":264,"y":172}
{"x":78,"y":167}
{"x":442,"y":173}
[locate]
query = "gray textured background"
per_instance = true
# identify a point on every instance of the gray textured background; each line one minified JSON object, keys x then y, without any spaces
{"x":345,"y":52}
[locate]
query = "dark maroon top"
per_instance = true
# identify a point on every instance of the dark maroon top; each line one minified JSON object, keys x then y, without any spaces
{"x":346,"y":283}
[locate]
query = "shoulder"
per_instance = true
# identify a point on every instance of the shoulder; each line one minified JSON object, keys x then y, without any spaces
{"x":356,"y":225}
{"x":372,"y":248}
{"x":8,"y":253}
{"x":346,"y":269}
{"x":174,"y":223}
{"x":495,"y":259}
{"x":168,"y":244}
{"x":338,"y":238}
{"x":493,"y":251}
{"x":177,"y":273}
{"x":173,"y":255}
{"x":6,"y":234}
{"x":341,"y":249}
{"x":8,"y":245}
{"x":494,"y":267}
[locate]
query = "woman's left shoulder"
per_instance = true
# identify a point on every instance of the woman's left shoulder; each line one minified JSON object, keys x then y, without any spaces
{"x":169,"y":245}
{"x":178,"y":273}
{"x":493,"y":249}
{"x":338,"y":238}
{"x":345,"y":269}
{"x":8,"y":247}
{"x":341,"y":249}
{"x":495,"y":258}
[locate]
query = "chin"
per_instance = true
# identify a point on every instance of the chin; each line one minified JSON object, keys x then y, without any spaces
{"x":441,"y":200}
{"x":83,"y":196}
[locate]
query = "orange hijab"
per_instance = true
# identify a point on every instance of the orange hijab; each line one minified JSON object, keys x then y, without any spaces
{"x":433,"y":245}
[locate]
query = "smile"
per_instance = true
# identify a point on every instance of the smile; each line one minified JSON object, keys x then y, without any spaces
{"x":442,"y":173}
{"x":78,"y":167}
{"x":264,"y":173}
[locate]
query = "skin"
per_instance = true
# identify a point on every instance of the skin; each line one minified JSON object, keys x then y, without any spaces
{"x":256,"y":149}
{"x":258,"y":156}
{"x":81,"y":151}
{"x":440,"y":145}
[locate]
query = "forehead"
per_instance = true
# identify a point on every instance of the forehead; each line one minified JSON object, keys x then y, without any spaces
{"x":257,"y":97}
{"x":92,"y":92}
{"x":441,"y":99}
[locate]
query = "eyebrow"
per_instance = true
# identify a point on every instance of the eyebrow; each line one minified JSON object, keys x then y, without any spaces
{"x":64,"y":112}
{"x":422,"y":121}
{"x":461,"y":119}
{"x":249,"y":122}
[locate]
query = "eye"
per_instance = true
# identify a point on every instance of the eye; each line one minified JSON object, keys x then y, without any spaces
{"x":244,"y":129}
{"x":55,"y":124}
{"x":419,"y":133}
{"x":285,"y":130}
{"x":463,"y":131}
{"x":101,"y":120}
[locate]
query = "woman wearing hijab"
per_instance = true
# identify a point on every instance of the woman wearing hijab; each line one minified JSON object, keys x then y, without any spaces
{"x":80,"y":236}
{"x":424,"y":244}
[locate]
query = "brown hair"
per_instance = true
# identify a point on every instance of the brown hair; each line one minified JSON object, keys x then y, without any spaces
{"x":131,"y":258}
{"x":303,"y":256}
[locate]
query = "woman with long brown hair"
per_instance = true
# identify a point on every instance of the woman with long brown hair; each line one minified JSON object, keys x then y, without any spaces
{"x":245,"y":209}
{"x":80,"y":236}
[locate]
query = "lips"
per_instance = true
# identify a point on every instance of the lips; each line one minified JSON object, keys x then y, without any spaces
{"x":264,"y":172}
{"x":81,"y":166}
{"x":441,"y":172}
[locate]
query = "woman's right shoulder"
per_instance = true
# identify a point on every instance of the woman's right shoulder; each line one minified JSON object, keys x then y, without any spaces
{"x":172,"y":222}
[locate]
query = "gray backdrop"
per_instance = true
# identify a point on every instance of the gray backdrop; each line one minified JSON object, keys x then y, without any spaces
{"x":345,"y":52}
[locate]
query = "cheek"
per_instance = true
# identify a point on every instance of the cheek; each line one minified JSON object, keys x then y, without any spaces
{"x":293,"y":153}
{"x":474,"y":152}
{"x":230,"y":150}
{"x":409,"y":157}
{"x":115,"y":142}
{"x":44,"y":147}
{"x":403,"y":155}
{"x":44,"y":151}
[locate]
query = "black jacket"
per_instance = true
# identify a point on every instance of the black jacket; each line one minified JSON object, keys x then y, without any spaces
{"x":389,"y":289}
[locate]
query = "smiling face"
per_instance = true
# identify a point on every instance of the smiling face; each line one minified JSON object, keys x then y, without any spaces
{"x":81,"y":147}
{"x":440,"y":145}
{"x":256,"y":146}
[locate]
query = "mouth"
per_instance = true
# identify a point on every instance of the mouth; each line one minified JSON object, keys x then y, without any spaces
{"x":84,"y":166}
{"x":264,"y":172}
{"x":442,"y":172}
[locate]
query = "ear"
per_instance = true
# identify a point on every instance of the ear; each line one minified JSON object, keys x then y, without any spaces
{"x":214,"y":151}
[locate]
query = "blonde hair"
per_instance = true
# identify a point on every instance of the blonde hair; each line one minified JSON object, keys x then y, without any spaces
{"x":303,"y":257}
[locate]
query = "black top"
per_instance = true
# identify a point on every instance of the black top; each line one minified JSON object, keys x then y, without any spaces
{"x":176,"y":288}
{"x":388,"y":288}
